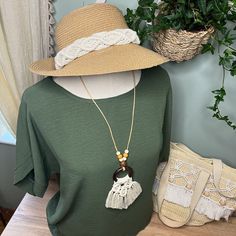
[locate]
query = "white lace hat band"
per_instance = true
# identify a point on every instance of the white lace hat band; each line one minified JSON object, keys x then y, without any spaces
{"x":95,"y":42}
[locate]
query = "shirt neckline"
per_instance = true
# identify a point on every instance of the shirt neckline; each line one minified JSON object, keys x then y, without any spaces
{"x":100,"y":100}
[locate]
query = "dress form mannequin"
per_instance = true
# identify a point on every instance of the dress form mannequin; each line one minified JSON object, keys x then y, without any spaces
{"x":100,"y":86}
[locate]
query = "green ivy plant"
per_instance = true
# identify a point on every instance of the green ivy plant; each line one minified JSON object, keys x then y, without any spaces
{"x":193,"y":15}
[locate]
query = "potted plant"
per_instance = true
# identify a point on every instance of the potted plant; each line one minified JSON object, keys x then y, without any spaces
{"x":181,"y":29}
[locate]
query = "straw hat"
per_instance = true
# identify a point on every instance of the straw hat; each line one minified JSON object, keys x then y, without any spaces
{"x":84,"y":22}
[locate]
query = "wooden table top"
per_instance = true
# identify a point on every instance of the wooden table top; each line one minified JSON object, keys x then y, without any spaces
{"x":29,"y":219}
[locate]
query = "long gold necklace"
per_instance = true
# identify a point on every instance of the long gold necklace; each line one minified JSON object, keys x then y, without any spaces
{"x":124,"y":190}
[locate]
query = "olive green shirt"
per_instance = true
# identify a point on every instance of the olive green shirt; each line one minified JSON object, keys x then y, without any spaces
{"x":58,"y":132}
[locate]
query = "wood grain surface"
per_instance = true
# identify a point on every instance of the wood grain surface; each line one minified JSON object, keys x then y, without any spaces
{"x":29,"y":219}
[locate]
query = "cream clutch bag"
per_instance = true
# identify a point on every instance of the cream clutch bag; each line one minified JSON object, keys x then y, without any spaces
{"x":193,"y":190}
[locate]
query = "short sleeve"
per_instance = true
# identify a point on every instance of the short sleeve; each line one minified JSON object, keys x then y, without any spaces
{"x":164,"y":155}
{"x":30,"y":172}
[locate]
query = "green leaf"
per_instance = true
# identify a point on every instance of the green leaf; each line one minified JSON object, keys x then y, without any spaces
{"x":144,"y":3}
{"x":233,"y":68}
{"x":233,"y":71}
{"x":181,"y":1}
{"x":208,"y":48}
{"x":202,"y":6}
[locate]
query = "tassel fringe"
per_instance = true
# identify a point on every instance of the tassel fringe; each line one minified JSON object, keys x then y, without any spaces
{"x":159,"y":172}
{"x":205,"y":206}
{"x":123,"y":193}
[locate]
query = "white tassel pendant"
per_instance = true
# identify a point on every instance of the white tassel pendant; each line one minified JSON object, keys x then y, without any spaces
{"x":123,"y":193}
{"x":124,"y":190}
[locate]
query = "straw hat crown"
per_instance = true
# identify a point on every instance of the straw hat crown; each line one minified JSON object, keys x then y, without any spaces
{"x":85,"y":22}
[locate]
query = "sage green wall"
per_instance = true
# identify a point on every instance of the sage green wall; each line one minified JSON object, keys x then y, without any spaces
{"x":192,"y":82}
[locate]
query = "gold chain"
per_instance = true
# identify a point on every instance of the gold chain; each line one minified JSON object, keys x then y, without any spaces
{"x":109,"y":127}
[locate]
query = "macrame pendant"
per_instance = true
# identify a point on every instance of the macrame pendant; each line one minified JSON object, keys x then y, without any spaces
{"x":124,"y":190}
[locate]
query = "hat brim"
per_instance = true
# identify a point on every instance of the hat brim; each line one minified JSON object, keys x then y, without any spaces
{"x":109,"y":60}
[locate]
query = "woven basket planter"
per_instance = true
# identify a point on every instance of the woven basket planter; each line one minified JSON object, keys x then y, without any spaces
{"x":180,"y":45}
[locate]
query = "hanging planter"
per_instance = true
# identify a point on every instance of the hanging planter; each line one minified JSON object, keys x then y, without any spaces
{"x":180,"y":45}
{"x":181,"y":29}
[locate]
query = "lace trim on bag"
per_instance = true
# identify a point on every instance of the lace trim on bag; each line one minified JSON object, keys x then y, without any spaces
{"x":182,"y":196}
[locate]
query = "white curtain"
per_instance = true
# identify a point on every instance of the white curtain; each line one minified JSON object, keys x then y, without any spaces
{"x":26,"y":28}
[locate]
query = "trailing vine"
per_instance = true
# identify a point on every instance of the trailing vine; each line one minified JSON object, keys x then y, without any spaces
{"x":227,"y":60}
{"x":219,"y":97}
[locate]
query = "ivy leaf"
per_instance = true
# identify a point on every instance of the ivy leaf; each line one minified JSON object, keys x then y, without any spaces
{"x":144,"y":3}
{"x":181,"y":1}
{"x":208,"y":48}
{"x":233,"y":69}
{"x":202,"y":6}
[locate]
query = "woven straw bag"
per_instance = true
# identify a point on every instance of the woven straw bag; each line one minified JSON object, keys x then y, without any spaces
{"x":180,"y":45}
{"x":192,"y":190}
